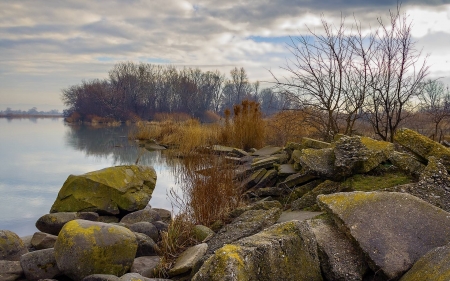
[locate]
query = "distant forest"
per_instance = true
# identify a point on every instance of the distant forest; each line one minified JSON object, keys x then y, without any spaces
{"x":30,"y":112}
{"x":139,"y":91}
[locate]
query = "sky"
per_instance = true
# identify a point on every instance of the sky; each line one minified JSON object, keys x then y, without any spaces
{"x":46,"y":46}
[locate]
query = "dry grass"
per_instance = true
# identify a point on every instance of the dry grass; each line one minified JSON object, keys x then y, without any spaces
{"x":287,"y":126}
{"x":174,"y":241}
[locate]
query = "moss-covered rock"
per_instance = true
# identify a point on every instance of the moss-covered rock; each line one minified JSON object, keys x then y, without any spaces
{"x":249,"y":223}
{"x":422,"y":146}
{"x":319,"y":162}
{"x":309,"y":199}
{"x":107,"y":191}
{"x":52,"y":223}
{"x":186,"y":261}
{"x":316,"y":144}
{"x":359,"y":155}
{"x":84,"y":248}
{"x":433,"y":185}
{"x":11,"y":246}
{"x":339,"y":258}
{"x":434,"y":265}
{"x":285,"y":251}
{"x":10,"y":270}
{"x":392,"y":229}
{"x":202,"y":232}
{"x":407,"y":163}
{"x":40,"y":265}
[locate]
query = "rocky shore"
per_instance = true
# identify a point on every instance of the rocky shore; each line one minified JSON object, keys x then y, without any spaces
{"x":353,"y":209}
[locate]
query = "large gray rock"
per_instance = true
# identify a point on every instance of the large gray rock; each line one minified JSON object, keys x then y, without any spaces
{"x":84,"y":248}
{"x":107,"y":191}
{"x":407,"y":163}
{"x":434,"y":265}
{"x":146,"y":245}
{"x":339,"y":258}
{"x":141,"y":215}
{"x":165,"y":215}
{"x":52,"y":223}
{"x":250,"y":222}
{"x":284,"y":251}
{"x":433,"y":185}
{"x":146,"y":228}
{"x":359,"y":155}
{"x":309,"y":199}
{"x":11,"y":246}
{"x":40,"y":265}
{"x":186,"y":261}
{"x":393,"y":229}
{"x":422,"y":146}
{"x":145,"y":265}
{"x":43,"y":240}
{"x":319,"y":162}
{"x":10,"y":270}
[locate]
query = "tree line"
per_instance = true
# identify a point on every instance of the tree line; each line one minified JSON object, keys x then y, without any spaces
{"x":136,"y":91}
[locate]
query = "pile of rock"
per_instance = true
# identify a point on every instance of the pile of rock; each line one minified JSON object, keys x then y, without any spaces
{"x":100,"y":227}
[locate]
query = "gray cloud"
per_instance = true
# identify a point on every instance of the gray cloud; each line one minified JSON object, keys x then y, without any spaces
{"x":62,"y":42}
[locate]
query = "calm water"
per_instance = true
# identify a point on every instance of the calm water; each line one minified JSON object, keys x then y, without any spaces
{"x":37,"y":156}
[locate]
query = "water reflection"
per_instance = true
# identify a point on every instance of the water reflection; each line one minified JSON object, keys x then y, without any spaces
{"x":38,"y":155}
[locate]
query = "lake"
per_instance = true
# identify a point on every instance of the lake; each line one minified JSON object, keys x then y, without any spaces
{"x":38,"y":154}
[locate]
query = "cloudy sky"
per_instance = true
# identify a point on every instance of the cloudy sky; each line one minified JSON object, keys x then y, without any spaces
{"x":46,"y":46}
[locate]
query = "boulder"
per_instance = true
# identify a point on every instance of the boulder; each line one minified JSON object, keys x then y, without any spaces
{"x":42,"y":240}
{"x":434,"y":265}
{"x":10,"y":270}
{"x":11,"y":246}
{"x":52,"y":223}
{"x":140,"y":216}
{"x":392,"y":229}
{"x":85,"y":247}
{"x":319,"y":162}
{"x":433,"y":185}
{"x":161,"y":225}
{"x":107,"y":191}
{"x":145,"y":265}
{"x":359,"y":155}
{"x":145,"y":245}
{"x":250,"y":222}
{"x":422,"y":146}
{"x":40,"y":264}
{"x":165,"y":215}
{"x":202,"y":232}
{"x":146,"y":228}
{"x":309,"y":199}
{"x":339,"y":258}
{"x":186,"y":261}
{"x":407,"y":163}
{"x":285,"y":251}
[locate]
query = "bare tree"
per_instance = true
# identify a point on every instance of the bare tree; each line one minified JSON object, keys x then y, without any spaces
{"x":397,"y":75}
{"x":435,"y":103}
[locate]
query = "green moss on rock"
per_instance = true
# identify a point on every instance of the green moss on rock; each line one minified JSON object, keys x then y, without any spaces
{"x":107,"y":191}
{"x":84,"y":248}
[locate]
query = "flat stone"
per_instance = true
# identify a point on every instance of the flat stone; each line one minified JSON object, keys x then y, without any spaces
{"x":296,"y":179}
{"x":285,"y":170}
{"x":266,"y":163}
{"x":315,"y":144}
{"x":266,"y":179}
{"x":267,"y":151}
{"x":186,"y":261}
{"x":309,"y":199}
{"x":393,"y":229}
